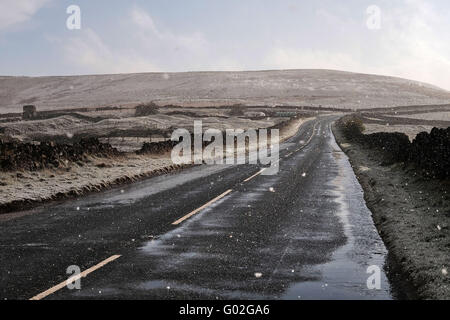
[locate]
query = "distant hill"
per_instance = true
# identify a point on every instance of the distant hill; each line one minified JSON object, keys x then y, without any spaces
{"x":289,"y":87}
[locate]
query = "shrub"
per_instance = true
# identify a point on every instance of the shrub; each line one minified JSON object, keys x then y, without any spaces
{"x":237,"y":110}
{"x":352,"y":127}
{"x":146,"y":109}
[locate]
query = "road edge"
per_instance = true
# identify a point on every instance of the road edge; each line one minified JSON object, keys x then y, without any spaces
{"x":28,"y":204}
{"x":402,"y":255}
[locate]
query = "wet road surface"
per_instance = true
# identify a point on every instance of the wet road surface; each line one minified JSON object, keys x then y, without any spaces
{"x":208,"y":232}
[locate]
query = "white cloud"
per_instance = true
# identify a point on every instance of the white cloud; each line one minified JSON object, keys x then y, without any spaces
{"x":143,"y":20}
{"x":167,"y":48}
{"x":147,"y":49}
{"x":88,"y":51}
{"x":13,"y":12}
{"x":411,"y":44}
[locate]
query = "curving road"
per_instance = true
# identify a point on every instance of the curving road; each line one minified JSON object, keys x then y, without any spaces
{"x":208,"y":232}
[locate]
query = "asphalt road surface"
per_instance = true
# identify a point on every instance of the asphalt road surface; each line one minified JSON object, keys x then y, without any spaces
{"x":208,"y":232}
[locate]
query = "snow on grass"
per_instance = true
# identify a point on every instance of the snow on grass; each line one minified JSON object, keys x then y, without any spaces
{"x":45,"y":184}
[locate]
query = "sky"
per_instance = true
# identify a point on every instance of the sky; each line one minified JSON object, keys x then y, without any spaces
{"x":405,"y":38}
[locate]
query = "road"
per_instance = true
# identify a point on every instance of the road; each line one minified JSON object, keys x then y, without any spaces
{"x":208,"y":232}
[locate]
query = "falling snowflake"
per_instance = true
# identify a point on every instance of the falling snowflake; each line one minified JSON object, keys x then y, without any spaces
{"x":78,"y":208}
{"x":444,"y":271}
{"x":271,"y":189}
{"x":304,"y":174}
{"x":439,"y":227}
{"x":258,"y":274}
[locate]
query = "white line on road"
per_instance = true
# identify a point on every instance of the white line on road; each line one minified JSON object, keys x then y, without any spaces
{"x":202,"y":207}
{"x":255,"y":175}
{"x":230,"y":190}
{"x":310,"y":138}
{"x":74,"y":278}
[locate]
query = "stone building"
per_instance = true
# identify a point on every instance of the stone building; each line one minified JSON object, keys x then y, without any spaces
{"x":29,"y":112}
